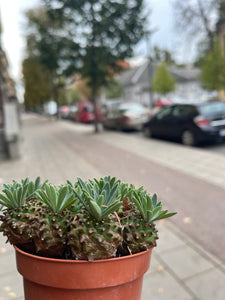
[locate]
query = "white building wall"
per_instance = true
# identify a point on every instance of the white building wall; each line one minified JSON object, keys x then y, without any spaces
{"x":137,"y":93}
{"x":185,"y":92}
{"x":191,"y":91}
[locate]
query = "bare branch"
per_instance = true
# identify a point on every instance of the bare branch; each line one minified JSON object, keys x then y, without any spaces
{"x":195,"y":17}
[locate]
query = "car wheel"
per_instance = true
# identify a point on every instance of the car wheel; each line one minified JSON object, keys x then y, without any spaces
{"x":188,"y":138}
{"x":147,"y":132}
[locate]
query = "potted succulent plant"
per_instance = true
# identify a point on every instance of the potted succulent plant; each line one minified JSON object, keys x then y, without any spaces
{"x":83,"y":240}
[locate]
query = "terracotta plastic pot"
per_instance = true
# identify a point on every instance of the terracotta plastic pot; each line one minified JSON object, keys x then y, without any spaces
{"x":111,"y":279}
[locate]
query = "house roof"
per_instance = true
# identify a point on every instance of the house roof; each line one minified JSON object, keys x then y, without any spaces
{"x":142,"y":73}
{"x":184,"y":74}
{"x":134,"y":75}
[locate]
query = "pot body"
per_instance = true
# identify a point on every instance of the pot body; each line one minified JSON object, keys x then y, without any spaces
{"x":111,"y":279}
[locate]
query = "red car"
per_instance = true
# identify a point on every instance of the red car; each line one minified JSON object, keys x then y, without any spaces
{"x":85,"y":113}
{"x":162,"y":102}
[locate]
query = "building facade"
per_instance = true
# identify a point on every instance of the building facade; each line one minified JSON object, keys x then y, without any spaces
{"x":137,"y":87}
{"x":9,"y":110}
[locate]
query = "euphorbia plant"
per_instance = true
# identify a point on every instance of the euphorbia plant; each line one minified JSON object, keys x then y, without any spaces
{"x":92,"y":220}
{"x":95,"y":233}
{"x":139,"y":231}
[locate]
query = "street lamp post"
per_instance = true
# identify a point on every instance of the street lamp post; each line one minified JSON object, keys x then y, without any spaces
{"x":149,"y":62}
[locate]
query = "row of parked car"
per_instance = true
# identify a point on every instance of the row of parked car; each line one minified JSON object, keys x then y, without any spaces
{"x":116,"y":116}
{"x":82,"y":112}
{"x":191,"y":124}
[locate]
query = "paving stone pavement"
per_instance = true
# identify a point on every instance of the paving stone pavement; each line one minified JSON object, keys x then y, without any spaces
{"x":180,"y":268}
{"x":195,"y":162}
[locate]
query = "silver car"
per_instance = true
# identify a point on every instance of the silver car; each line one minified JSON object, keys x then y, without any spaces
{"x":126,"y":116}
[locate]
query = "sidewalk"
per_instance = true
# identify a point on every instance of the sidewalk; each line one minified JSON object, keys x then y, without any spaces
{"x":191,"y":161}
{"x":180,"y":269}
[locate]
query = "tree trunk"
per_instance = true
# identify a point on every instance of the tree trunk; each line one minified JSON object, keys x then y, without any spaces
{"x":56,"y":98}
{"x":94,"y":101}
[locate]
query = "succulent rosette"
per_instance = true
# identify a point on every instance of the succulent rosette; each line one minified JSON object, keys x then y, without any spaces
{"x":97,"y":219}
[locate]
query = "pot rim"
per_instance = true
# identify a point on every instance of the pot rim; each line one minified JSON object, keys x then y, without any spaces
{"x":59,"y":260}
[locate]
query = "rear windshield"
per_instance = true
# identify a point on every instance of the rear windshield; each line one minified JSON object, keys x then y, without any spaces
{"x":89,"y":109}
{"x":132,"y":108}
{"x":212,"y":108}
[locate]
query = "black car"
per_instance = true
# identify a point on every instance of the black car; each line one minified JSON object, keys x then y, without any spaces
{"x":191,"y":124}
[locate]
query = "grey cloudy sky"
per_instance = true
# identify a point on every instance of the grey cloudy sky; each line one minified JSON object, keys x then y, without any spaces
{"x":161,"y":19}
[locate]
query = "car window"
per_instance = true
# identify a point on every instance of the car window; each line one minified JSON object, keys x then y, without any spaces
{"x":164,"y":112}
{"x":183,"y":110}
{"x":212,"y":108}
{"x":89,"y":109}
{"x":112,"y":113}
{"x":132,"y":108}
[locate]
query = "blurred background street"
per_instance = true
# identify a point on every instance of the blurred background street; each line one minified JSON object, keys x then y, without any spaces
{"x":189,"y":260}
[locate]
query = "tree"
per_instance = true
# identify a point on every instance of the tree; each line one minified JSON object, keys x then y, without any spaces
{"x":113,"y":89}
{"x":213,"y":69}
{"x":37,"y":83}
{"x":83,"y":88}
{"x":101,"y":33}
{"x":45,"y":43}
{"x":72,"y":96}
{"x":159,"y":55}
{"x":163,"y":82}
{"x":197,"y":18}
{"x":221,"y":8}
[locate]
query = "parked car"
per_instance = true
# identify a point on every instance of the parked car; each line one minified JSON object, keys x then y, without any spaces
{"x":191,"y":124}
{"x":85,"y":113}
{"x":64,"y":111}
{"x":126,"y":116}
{"x":67,"y":111}
{"x":72,"y":111}
{"x":162,"y":102}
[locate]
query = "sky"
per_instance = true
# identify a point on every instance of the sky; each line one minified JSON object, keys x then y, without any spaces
{"x":161,"y":19}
